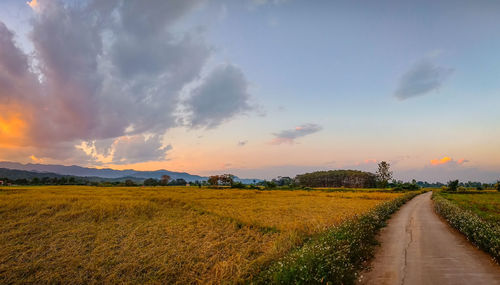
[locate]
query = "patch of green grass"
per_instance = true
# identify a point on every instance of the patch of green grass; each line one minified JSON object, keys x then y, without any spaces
{"x":486,"y":205}
{"x":476,"y":216}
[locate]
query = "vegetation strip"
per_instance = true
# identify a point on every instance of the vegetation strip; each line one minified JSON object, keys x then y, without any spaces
{"x":334,"y":256}
{"x":484,"y":234}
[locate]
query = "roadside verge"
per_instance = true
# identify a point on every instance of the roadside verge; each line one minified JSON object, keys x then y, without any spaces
{"x":485,"y":235}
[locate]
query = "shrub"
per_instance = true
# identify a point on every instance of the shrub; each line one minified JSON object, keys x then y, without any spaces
{"x":238,"y":185}
{"x":269,"y":184}
{"x":406,"y":186}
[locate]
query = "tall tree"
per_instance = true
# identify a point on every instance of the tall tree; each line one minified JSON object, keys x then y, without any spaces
{"x":164,"y":180}
{"x":453,"y":185}
{"x":384,"y":174}
{"x":213,"y":180}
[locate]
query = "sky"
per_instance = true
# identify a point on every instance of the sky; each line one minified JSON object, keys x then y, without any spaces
{"x":258,"y":89}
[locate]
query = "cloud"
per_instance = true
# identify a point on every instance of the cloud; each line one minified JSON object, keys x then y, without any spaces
{"x":446,"y":160}
{"x":222,"y":95}
{"x":33,"y":4}
{"x":126,"y":149}
{"x":264,"y":2}
{"x":443,"y":160}
{"x":104,"y":70}
{"x":423,"y":77}
{"x":129,"y":150}
{"x":242,"y":143}
{"x":289,"y":136}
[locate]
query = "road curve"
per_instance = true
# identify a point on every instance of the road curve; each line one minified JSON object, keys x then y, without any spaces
{"x":418,"y":247}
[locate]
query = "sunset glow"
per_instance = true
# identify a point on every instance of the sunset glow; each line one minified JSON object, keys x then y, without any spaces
{"x":12,"y":130}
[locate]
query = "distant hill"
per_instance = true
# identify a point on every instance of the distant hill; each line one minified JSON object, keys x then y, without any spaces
{"x":108,"y":173}
{"x":14,"y":174}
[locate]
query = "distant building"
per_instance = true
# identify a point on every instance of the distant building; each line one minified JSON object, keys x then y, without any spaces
{"x":1,"y":182}
{"x":187,"y":184}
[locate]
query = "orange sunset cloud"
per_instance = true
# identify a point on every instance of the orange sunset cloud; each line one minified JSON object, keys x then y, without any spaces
{"x":443,"y":160}
{"x":447,"y":159}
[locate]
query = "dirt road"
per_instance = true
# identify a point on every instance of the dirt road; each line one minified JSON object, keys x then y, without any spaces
{"x":418,"y":247}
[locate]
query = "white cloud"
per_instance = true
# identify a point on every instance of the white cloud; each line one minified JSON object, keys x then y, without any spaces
{"x":422,"y":78}
{"x":289,"y":136}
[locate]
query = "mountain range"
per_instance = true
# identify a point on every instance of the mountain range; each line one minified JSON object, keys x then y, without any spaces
{"x":108,"y":173}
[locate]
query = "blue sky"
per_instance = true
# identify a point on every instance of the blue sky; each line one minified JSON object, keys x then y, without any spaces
{"x":265,"y":88}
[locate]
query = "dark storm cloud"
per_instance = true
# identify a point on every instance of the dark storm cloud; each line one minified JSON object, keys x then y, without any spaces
{"x":289,"y":136}
{"x":422,"y":78}
{"x":108,"y":69}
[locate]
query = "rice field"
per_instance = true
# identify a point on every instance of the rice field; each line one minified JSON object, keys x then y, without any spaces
{"x":80,"y":234}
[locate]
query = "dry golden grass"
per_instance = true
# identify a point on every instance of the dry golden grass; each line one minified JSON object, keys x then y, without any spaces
{"x":306,"y":212}
{"x":73,"y":234}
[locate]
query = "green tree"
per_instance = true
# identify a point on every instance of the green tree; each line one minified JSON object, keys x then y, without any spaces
{"x":453,"y":185}
{"x":384,"y":174}
{"x":35,"y":181}
{"x":150,"y":182}
{"x":498,"y":186}
{"x":336,"y":178}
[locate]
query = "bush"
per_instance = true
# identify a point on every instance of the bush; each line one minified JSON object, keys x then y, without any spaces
{"x":483,"y":234}
{"x":269,"y":184}
{"x":406,"y":186}
{"x":238,"y":185}
{"x":334,"y":257}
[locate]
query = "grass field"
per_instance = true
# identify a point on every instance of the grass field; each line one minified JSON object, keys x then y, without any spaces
{"x":476,"y":214}
{"x":78,"y":234}
{"x":485,"y":205}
